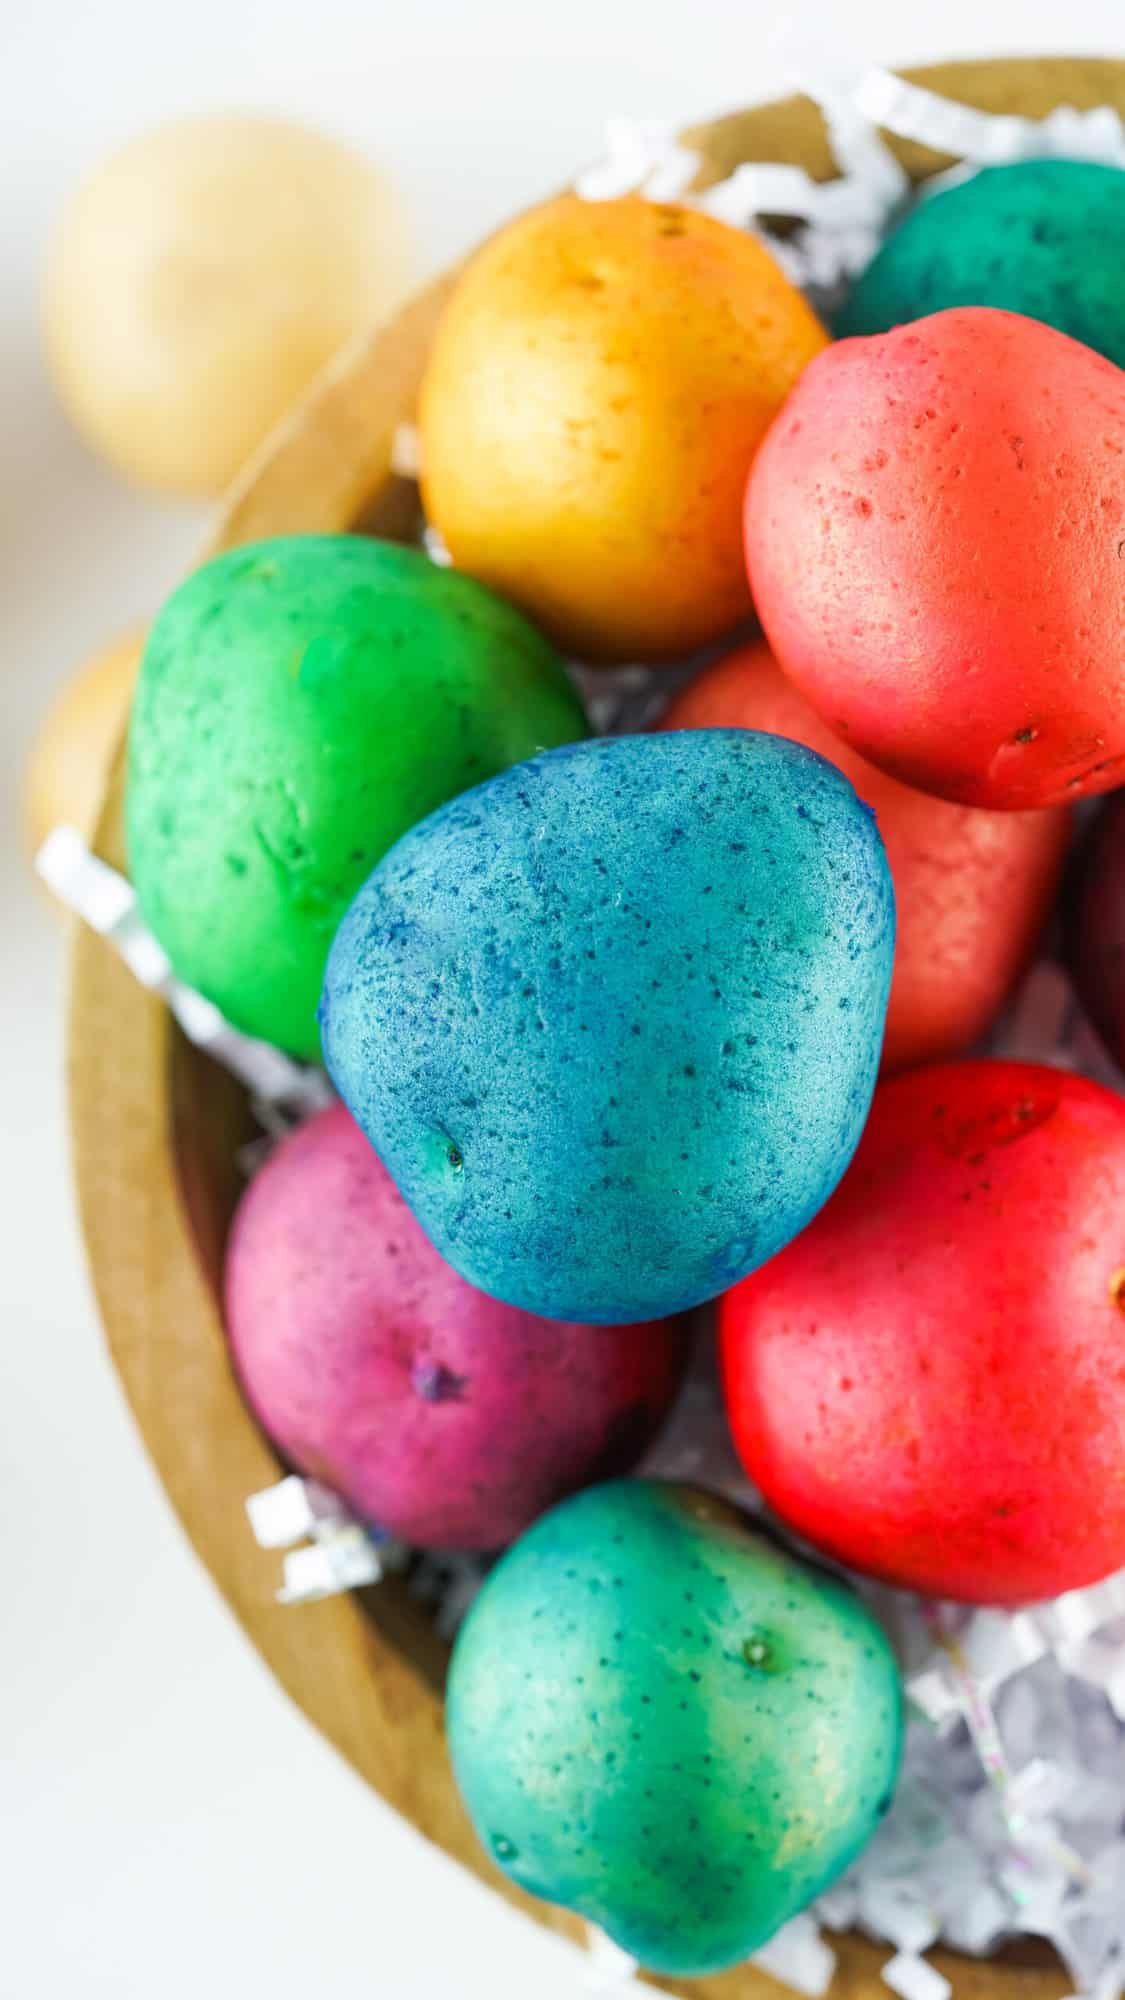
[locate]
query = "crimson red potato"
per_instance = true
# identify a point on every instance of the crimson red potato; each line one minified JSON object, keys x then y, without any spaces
{"x":935,"y":534}
{"x":439,"y":1414}
{"x":972,"y":889}
{"x":929,"y":1383}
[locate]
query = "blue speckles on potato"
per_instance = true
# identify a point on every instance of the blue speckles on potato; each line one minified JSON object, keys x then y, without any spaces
{"x":612,"y":1020}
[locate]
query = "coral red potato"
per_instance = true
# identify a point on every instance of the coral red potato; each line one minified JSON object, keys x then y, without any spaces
{"x":442,"y":1416}
{"x":972,"y":889}
{"x":935,"y":535}
{"x":929,"y":1383}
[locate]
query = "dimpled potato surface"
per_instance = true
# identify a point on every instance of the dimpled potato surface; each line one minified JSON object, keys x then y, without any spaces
{"x":612,"y":1020}
{"x":935,"y":532}
{"x":659,"y":1718}
{"x":1039,"y":237}
{"x":301,"y":703}
{"x":597,"y":390}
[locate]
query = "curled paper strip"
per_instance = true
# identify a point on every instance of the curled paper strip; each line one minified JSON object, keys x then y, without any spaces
{"x":844,"y":220}
{"x":340,"y":1562}
{"x":406,"y":455}
{"x":103,"y":898}
{"x":914,"y":1979}
{"x":293,"y":1509}
{"x":800,"y":1957}
{"x":641,"y":157}
{"x":435,"y":548}
{"x":343,"y":1555}
{"x":609,"y":1970}
{"x":982,"y":138}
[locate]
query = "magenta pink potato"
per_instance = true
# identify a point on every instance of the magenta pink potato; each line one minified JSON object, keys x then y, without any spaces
{"x":447,"y":1418}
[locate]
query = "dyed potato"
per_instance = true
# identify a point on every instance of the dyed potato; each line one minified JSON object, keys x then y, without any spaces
{"x":951,"y":1323}
{"x":199,"y":279}
{"x":448,"y":1419}
{"x":1095,"y":914}
{"x":934,"y":531}
{"x":972,"y":889}
{"x":67,"y":770}
{"x":660,"y":1719}
{"x":613,"y":1020}
{"x":301,"y":703}
{"x":598,"y":387}
{"x":1040,"y":237}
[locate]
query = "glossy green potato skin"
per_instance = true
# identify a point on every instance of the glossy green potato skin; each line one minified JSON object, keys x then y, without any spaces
{"x":660,"y":1719}
{"x":1039,"y":237}
{"x":302,"y":702}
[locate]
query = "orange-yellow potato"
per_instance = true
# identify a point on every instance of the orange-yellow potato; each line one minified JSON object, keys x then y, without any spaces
{"x":201,"y":277}
{"x":599,"y":385}
{"x":68,"y":765}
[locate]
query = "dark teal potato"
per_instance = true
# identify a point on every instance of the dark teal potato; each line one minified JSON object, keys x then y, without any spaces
{"x":302,"y":702}
{"x":660,"y":1719}
{"x":612,"y":1021}
{"x":1041,"y":237}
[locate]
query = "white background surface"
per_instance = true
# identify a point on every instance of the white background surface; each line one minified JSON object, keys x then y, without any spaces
{"x":167,"y":1822}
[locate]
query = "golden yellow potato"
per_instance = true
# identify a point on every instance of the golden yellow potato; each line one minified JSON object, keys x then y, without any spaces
{"x":200,"y":278}
{"x":70,"y":760}
{"x":599,"y":385}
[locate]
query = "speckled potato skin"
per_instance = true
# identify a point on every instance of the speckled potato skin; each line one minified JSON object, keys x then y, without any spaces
{"x":302,"y":702}
{"x":596,"y":392}
{"x":934,"y":530}
{"x":659,"y":1718}
{"x":973,"y":889}
{"x":445,"y":1418}
{"x":612,"y":1021}
{"x":1040,"y":237}
{"x":951,"y":1325}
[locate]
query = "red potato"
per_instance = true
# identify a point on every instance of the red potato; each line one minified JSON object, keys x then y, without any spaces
{"x":935,"y":535}
{"x":972,"y":889}
{"x":439,"y":1414}
{"x":929,"y":1383}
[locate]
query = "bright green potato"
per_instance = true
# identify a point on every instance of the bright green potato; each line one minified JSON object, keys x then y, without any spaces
{"x":302,"y":703}
{"x":1038,"y":237}
{"x":660,"y":1719}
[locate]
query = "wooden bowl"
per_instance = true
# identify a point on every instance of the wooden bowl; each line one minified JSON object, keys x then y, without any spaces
{"x":155,"y":1127}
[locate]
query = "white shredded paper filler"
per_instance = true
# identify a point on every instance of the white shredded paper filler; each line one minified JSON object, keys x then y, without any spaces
{"x":1010,"y":1815}
{"x":609,"y":1970}
{"x":102,"y":898}
{"x":342,"y":1561}
{"x":293,"y":1509}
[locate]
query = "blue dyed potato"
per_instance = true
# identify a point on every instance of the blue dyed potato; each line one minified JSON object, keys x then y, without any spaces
{"x":661,"y":1719}
{"x":1040,"y":237}
{"x":612,"y":1020}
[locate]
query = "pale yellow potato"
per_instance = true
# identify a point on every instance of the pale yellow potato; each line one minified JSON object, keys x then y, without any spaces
{"x":201,"y":277}
{"x":70,"y":759}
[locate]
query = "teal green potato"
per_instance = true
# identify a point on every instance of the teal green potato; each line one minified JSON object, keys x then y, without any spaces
{"x":1039,"y":237}
{"x":302,"y":703}
{"x":660,"y":1719}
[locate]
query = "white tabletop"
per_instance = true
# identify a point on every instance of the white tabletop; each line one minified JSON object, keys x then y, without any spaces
{"x":168,"y":1823}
